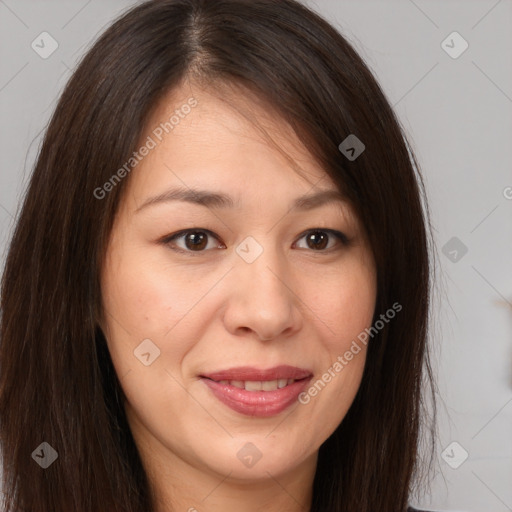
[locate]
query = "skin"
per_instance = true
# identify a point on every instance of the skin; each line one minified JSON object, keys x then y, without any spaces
{"x":298,"y":303}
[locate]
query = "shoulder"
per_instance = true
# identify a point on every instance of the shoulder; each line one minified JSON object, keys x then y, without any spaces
{"x":412,"y":509}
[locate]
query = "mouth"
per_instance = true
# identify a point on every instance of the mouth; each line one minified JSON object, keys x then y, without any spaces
{"x":258,"y":385}
{"x":261,"y":393}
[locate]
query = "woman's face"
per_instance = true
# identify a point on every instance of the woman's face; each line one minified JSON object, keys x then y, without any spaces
{"x":225,"y":279}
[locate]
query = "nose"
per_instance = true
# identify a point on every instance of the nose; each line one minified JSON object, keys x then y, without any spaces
{"x":262,"y":299}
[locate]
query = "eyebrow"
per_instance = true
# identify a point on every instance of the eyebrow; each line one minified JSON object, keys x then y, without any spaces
{"x":212,"y":199}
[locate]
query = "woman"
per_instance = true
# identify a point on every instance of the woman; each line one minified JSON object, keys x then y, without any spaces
{"x":217,"y":292}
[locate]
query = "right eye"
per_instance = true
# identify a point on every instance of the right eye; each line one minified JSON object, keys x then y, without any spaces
{"x":192,"y":240}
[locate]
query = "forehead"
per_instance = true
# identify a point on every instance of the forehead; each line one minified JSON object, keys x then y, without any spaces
{"x":231,"y":129}
{"x":234,"y":148}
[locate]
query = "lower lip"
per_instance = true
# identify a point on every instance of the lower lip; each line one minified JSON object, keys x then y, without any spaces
{"x":257,"y":403}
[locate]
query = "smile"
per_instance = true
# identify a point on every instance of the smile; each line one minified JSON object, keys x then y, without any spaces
{"x":257,"y":385}
{"x":258,"y":393}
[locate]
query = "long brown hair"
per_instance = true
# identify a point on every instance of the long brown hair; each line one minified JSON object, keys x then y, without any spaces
{"x":57,"y":382}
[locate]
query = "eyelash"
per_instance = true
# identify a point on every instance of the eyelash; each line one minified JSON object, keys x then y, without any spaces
{"x":180,"y":234}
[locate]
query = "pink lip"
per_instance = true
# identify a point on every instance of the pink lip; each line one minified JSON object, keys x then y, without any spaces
{"x":258,"y":403}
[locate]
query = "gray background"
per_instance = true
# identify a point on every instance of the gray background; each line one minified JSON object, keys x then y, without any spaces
{"x":457,"y":112}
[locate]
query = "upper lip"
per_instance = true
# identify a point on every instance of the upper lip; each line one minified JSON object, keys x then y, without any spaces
{"x":248,"y":373}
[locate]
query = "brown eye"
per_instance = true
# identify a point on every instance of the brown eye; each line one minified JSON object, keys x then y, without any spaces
{"x":196,"y":240}
{"x":317,"y":240}
{"x":192,"y":240}
{"x":322,"y":239}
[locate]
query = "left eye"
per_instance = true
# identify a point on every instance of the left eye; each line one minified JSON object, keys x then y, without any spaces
{"x":321,"y":239}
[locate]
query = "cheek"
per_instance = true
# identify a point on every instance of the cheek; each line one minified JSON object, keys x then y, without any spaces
{"x":139,"y":305}
{"x":146,"y":296}
{"x":344,"y":301}
{"x":344,"y":304}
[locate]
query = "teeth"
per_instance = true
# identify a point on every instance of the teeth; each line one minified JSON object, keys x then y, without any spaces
{"x":256,"y":385}
{"x":253,"y":385}
{"x":269,"y":385}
